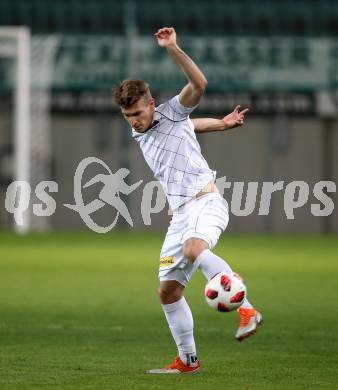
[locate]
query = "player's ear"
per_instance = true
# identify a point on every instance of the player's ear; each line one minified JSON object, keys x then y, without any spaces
{"x":152,"y":102}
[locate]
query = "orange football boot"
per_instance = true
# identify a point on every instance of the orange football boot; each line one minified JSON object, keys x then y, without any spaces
{"x":177,"y":367}
{"x":250,"y":319}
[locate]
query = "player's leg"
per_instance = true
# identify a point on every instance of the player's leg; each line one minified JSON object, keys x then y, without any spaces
{"x":210,"y":265}
{"x":181,"y":325}
{"x":176,"y":309}
{"x":197,"y":249}
{"x":170,"y":291}
{"x":179,"y":318}
{"x":208,"y":220}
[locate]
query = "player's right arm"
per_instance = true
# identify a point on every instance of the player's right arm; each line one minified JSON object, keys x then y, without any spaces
{"x":194,"y":90}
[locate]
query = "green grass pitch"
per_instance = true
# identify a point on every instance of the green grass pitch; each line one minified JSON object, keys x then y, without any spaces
{"x":80,"y":311}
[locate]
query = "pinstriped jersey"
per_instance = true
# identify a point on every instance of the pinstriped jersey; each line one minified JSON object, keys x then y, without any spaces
{"x":173,"y":153}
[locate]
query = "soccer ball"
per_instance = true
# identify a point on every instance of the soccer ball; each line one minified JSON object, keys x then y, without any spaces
{"x":225,"y":291}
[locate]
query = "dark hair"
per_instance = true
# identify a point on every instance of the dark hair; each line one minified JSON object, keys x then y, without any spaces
{"x":130,"y":91}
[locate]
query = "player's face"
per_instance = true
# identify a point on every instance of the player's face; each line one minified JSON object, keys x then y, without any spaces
{"x":140,"y":115}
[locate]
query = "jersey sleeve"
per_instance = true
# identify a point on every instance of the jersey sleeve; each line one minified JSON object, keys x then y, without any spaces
{"x":174,"y":110}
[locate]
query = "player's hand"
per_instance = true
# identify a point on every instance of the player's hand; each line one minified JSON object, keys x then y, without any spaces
{"x":166,"y":36}
{"x":235,"y":118}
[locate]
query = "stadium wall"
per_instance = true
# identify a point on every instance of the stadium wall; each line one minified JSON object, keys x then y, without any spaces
{"x":267,"y":148}
{"x":251,"y":153}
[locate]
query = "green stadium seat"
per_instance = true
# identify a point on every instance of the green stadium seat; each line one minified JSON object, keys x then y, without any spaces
{"x":207,"y":17}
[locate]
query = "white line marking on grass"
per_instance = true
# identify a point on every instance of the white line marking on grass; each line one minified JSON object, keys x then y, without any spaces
{"x":211,"y":330}
{"x":84,"y":327}
{"x":89,"y":327}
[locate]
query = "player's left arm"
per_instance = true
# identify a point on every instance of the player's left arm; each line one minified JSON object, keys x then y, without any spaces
{"x":194,"y":90}
{"x":230,"y":121}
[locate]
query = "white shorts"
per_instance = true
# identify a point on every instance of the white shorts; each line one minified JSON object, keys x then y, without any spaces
{"x":205,"y":217}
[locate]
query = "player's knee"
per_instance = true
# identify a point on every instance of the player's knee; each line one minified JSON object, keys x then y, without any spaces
{"x":168,"y":294}
{"x":190,"y":252}
{"x":193,"y":247}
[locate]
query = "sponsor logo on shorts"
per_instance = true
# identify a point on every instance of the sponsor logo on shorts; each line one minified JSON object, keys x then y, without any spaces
{"x":165,"y":261}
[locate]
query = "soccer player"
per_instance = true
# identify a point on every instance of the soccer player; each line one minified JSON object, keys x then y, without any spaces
{"x":166,"y":136}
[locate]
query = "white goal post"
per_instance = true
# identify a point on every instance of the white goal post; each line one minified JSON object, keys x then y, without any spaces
{"x":30,"y":79}
{"x":15,"y":45}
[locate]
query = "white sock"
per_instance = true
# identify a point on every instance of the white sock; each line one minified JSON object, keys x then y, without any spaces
{"x":246,"y":304}
{"x":211,"y":264}
{"x":181,"y":324}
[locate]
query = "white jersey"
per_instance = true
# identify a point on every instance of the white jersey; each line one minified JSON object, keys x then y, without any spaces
{"x":173,"y":153}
